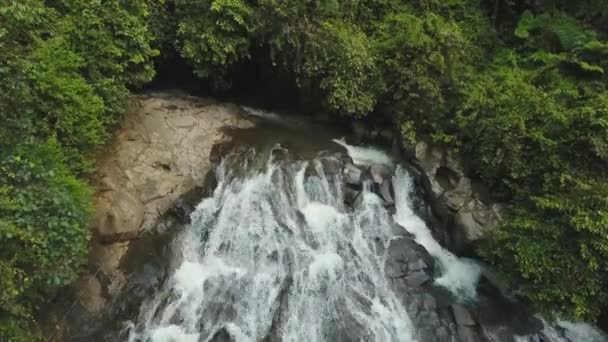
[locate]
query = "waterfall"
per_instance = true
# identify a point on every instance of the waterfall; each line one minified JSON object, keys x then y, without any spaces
{"x":276,"y":253}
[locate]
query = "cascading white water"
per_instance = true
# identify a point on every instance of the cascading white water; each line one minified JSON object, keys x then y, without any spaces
{"x":563,"y":331}
{"x":276,"y":253}
{"x":365,"y":155}
{"x":459,"y":275}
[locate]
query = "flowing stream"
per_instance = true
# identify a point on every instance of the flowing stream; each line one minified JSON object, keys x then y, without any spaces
{"x":275,"y":254}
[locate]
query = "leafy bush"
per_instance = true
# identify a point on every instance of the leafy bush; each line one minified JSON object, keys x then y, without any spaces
{"x":43,"y":212}
{"x":214,"y":35}
{"x":418,"y":58}
{"x":556,"y":246}
{"x":65,"y":66}
{"x":340,"y":60}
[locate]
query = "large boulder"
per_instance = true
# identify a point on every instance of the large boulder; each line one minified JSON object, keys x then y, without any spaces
{"x":352,"y":175}
{"x":119,"y":217}
{"x":387,"y":192}
{"x":380,"y":173}
{"x":462,"y":208}
{"x":332,"y":166}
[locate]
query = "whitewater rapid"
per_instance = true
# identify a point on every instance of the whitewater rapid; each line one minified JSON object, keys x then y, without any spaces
{"x":275,"y":255}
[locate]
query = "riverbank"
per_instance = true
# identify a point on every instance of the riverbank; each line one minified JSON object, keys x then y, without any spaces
{"x":160,"y":151}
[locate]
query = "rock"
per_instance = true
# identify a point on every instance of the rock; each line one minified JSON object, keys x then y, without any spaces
{"x":164,"y":147}
{"x":417,"y":279}
{"x":417,"y":265}
{"x":350,"y":196}
{"x":352,"y":175}
{"x":120,"y":218}
{"x":221,"y":335}
{"x":470,"y":230}
{"x":386,"y":191}
{"x":462,"y":212}
{"x":428,"y":302}
{"x":279,"y":154}
{"x":402,"y":251}
{"x":459,"y":196}
{"x":467,"y":334}
{"x":360,"y":129}
{"x":331,"y":165}
{"x":462,"y":315}
{"x":380,"y":173}
{"x":343,"y":157}
{"x":447,"y":178}
{"x":442,"y":334}
{"x":91,"y":296}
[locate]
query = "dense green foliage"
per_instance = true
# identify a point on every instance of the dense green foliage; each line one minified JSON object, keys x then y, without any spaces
{"x":65,"y":68}
{"x":519,"y":86}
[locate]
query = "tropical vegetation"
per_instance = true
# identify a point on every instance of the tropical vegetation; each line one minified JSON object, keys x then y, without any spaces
{"x":520,"y":87}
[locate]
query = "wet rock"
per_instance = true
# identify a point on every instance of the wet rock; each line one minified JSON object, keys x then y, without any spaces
{"x":352,"y":175}
{"x":447,"y":178}
{"x":350,"y":196}
{"x":380,"y":173}
{"x":344,"y":158}
{"x":403,"y":252}
{"x":417,"y":265}
{"x":417,"y":279}
{"x":467,"y":334}
{"x":221,"y":335}
{"x":386,"y":192}
{"x":462,"y":213}
{"x":279,"y":154}
{"x":164,"y":147}
{"x":428,"y":302}
{"x":462,"y":315}
{"x":331,"y":165}
{"x":119,"y":217}
{"x":442,"y":334}
{"x":91,"y":295}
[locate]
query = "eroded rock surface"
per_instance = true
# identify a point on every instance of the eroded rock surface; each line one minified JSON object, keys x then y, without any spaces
{"x":460,"y":207}
{"x":161,"y":151}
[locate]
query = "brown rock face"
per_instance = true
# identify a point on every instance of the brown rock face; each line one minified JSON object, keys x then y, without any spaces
{"x":120,"y":218}
{"x":160,"y":152}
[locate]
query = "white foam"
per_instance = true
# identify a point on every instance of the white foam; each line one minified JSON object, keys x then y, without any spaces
{"x":458,"y":275}
{"x":582,"y":332}
{"x":326,"y":264}
{"x":262,"y":230}
{"x":365,"y":155}
{"x":173,"y":333}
